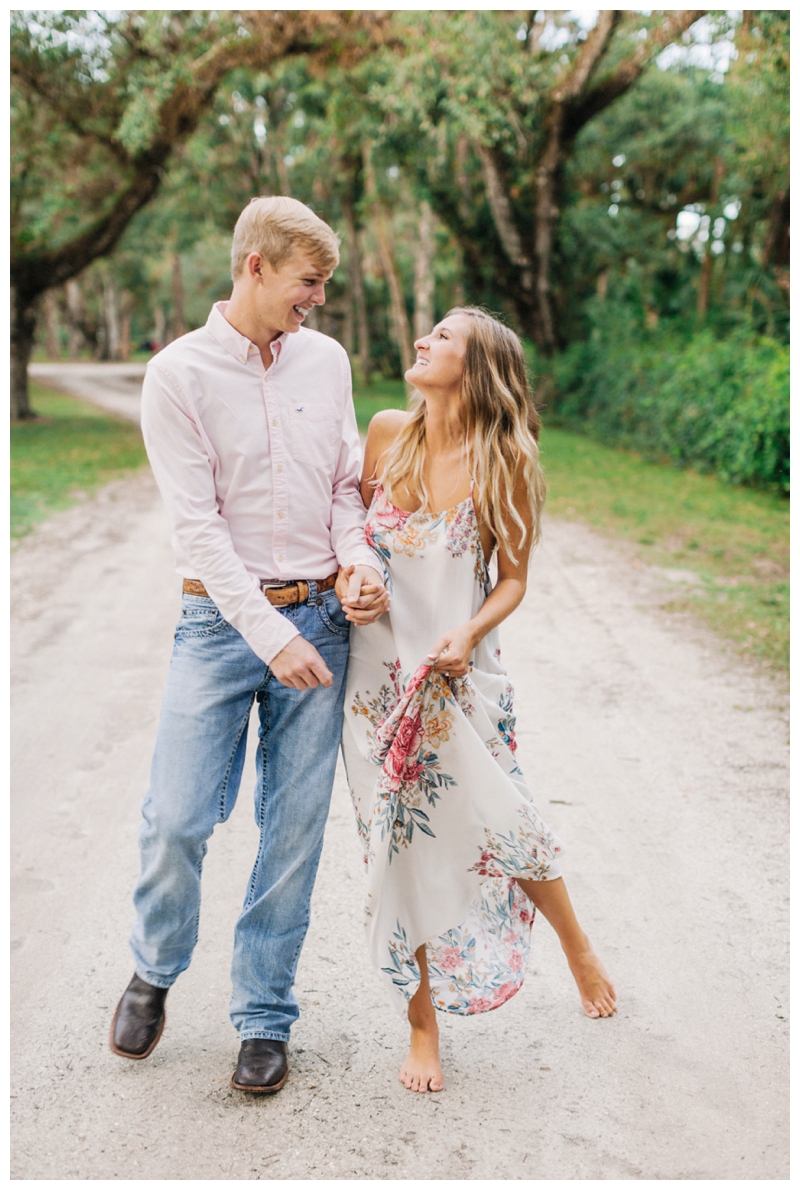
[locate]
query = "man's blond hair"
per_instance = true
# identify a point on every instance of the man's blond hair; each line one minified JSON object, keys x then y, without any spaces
{"x":277,"y":226}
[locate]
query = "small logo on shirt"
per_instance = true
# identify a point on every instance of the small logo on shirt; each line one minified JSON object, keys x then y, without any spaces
{"x":299,"y":408}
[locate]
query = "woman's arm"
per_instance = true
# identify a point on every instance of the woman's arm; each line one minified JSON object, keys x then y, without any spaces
{"x":383,"y":429}
{"x":453,"y":649}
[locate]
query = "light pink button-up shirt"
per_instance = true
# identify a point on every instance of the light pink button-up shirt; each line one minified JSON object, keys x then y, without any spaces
{"x":258,"y":469}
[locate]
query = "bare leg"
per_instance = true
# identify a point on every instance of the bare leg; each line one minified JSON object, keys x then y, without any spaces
{"x":422,"y":1069}
{"x":596,"y":989}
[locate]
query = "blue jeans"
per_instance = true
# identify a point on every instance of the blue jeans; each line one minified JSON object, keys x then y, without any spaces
{"x":197,"y":766}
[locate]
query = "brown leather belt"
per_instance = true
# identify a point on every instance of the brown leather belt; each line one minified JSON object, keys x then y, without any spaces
{"x":282,"y":596}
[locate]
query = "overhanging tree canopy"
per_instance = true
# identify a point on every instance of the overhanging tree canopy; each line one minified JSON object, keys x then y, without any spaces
{"x":99,"y":103}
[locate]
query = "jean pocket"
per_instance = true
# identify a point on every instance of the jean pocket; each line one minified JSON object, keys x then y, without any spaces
{"x":329,"y":610}
{"x":316,"y":435}
{"x":199,"y":619}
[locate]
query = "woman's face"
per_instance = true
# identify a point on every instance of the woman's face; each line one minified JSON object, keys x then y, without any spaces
{"x":440,"y":355}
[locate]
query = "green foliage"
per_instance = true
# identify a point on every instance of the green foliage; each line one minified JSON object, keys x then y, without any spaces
{"x":87,"y":89}
{"x":68,"y":451}
{"x":715,"y":405}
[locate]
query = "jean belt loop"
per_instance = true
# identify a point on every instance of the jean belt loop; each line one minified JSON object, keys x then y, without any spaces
{"x":312,"y":591}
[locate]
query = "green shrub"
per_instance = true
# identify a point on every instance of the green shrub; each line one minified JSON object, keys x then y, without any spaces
{"x":719,"y":405}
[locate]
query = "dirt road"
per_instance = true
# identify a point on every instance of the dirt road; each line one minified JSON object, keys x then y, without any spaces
{"x":660,"y":760}
{"x":115,"y":387}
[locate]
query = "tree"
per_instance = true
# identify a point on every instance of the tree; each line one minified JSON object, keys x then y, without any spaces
{"x":99,"y":104}
{"x":501,"y":113}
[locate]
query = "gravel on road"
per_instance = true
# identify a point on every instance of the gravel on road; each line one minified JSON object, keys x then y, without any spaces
{"x":657,"y":756}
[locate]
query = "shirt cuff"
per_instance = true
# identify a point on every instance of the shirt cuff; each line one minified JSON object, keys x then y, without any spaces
{"x":268,"y":641}
{"x":364,"y":557}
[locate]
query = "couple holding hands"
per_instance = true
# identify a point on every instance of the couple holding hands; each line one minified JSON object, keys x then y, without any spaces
{"x":358,"y":611}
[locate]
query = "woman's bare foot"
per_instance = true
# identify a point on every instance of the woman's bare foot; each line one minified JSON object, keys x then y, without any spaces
{"x":422,"y":1069}
{"x":552,"y":899}
{"x":596,"y":989}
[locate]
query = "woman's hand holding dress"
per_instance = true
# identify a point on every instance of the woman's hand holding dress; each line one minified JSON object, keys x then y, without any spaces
{"x":452,"y":652}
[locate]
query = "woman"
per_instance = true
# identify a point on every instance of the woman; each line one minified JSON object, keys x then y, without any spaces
{"x":458,"y":858}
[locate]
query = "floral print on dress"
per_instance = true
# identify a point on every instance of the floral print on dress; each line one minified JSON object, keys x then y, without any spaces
{"x":410,"y":769}
{"x":441,"y":806}
{"x":516,"y":853}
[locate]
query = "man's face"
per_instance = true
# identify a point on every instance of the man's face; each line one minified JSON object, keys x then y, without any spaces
{"x":288,"y":293}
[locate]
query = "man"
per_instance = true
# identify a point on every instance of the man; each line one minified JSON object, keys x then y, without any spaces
{"x":250,"y":430}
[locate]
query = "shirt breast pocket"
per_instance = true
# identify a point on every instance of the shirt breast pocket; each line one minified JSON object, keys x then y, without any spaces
{"x":316,"y":436}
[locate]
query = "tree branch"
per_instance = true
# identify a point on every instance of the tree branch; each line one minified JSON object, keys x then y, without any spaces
{"x":587,"y":57}
{"x":274,"y":35}
{"x":628,"y":72}
{"x":502,"y":214}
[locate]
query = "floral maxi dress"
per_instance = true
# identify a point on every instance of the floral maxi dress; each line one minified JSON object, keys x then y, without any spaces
{"x":441,"y":805}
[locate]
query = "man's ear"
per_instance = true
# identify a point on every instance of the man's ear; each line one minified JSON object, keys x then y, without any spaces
{"x":254,"y":265}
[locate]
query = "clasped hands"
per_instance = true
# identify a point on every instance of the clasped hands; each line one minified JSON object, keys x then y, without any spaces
{"x":361,"y":592}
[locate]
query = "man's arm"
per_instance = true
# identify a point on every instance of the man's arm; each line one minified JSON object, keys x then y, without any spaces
{"x":366,"y":593}
{"x":182,"y":463}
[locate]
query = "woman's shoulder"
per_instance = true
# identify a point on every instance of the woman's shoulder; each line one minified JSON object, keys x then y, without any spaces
{"x":386,"y":425}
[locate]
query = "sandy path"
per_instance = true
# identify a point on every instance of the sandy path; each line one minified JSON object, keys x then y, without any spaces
{"x":115,"y":387}
{"x":659,"y":760}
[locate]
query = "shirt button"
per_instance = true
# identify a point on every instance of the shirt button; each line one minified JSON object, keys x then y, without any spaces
{"x":280,"y":557}
{"x":274,"y":421}
{"x":281,"y":515}
{"x":279,"y":467}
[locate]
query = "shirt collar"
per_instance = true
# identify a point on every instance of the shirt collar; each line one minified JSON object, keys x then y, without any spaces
{"x":232,"y":340}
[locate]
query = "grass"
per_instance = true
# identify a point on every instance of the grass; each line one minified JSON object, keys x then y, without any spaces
{"x":381,"y":394}
{"x":733,"y":541}
{"x":71,"y":449}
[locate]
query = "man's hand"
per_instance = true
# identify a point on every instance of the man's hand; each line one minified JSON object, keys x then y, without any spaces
{"x":299,"y":665}
{"x":361,"y":592}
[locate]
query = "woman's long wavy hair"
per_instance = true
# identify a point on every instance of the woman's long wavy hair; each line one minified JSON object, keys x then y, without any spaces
{"x":501,"y":426}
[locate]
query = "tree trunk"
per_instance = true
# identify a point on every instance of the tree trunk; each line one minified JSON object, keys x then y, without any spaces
{"x":178,"y":320}
{"x":356,"y":277}
{"x":51,"y":325}
{"x":160,"y":328}
{"x":548,"y":177}
{"x":423,"y":272}
{"x":110,"y":306}
{"x":283,"y":173}
{"x":74,"y":318}
{"x":397,"y":305}
{"x":348,"y":319}
{"x":23,"y":330}
{"x":776,"y":241}
{"x":704,"y":283}
{"x":125,"y":311}
{"x":500,"y":207}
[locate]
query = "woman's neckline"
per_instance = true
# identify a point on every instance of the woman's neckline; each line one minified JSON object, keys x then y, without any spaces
{"x":406,"y":512}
